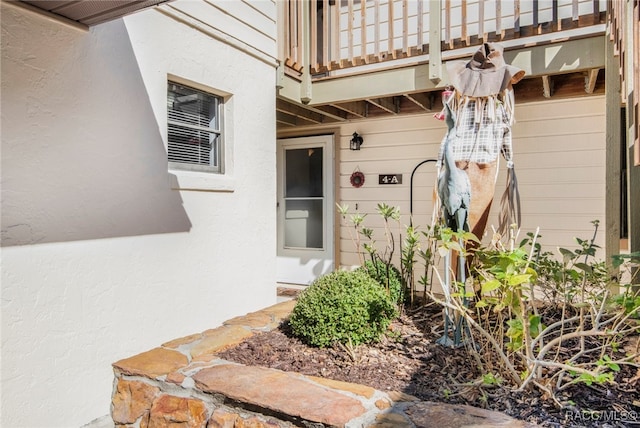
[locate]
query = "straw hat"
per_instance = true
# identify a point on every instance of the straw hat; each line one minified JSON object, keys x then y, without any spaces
{"x":485,"y":74}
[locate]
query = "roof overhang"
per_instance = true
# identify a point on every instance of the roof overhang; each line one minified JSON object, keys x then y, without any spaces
{"x":85,"y":13}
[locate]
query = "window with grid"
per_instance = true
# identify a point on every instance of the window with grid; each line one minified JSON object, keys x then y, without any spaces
{"x":194,"y":133}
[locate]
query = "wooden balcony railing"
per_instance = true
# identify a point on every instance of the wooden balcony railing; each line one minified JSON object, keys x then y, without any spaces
{"x":350,"y":33}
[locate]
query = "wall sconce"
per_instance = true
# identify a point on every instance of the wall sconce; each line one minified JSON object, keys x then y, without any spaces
{"x":356,"y":142}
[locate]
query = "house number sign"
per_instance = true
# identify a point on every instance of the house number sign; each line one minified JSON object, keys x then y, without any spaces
{"x":390,"y":179}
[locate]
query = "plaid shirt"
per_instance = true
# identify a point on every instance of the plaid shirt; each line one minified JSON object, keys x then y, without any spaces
{"x":482,"y":130}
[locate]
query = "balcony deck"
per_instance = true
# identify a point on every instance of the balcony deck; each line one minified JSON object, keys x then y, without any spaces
{"x":367,"y":58}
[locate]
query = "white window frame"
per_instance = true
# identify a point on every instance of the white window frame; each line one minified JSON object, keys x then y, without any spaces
{"x":197,"y":133}
{"x":182,"y":176}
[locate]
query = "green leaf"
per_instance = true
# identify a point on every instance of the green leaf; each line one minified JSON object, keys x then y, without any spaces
{"x":585,"y":267}
{"x":535,"y":326}
{"x":469,"y":236}
{"x":519,"y":279}
{"x":481,"y":304}
{"x":489,"y":286}
{"x":586,"y":378}
{"x":617,"y":260}
{"x":567,"y":255}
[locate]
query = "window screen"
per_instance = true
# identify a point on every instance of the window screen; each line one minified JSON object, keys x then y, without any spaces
{"x":194,"y":129}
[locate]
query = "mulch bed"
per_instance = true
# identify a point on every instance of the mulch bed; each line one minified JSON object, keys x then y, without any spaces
{"x":408,"y":360}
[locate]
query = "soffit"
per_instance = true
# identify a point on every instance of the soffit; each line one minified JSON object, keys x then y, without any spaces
{"x":91,"y":12}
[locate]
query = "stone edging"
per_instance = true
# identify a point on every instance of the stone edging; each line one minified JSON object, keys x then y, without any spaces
{"x":183,"y":383}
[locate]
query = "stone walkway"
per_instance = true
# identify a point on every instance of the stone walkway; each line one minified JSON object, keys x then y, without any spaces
{"x":182,"y":383}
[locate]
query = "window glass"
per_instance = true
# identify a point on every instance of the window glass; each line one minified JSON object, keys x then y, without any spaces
{"x":194,"y":129}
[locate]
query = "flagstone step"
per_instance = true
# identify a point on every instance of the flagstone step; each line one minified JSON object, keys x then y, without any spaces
{"x":183,"y":383}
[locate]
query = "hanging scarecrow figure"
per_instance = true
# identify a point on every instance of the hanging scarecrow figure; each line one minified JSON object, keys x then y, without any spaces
{"x":479,"y":115}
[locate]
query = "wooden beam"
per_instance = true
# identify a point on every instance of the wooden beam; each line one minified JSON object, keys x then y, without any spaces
{"x":286,"y":119}
{"x":481,"y":33}
{"x":356,"y":108}
{"x":464,"y":27}
{"x":325,"y":31}
{"x":363,"y":32}
{"x":390,"y":41}
{"x":331,"y":112}
{"x":314,"y":34}
{"x":499,"y":30}
{"x":421,"y":99}
{"x":376,"y":28}
{"x":420,"y":29}
{"x":405,"y":27}
{"x":435,"y":36}
{"x":447,"y":22}
{"x":298,"y":111}
{"x":613,"y":147}
{"x":389,"y":105}
{"x":547,"y":86}
{"x":516,"y":17}
{"x":350,"y":31}
{"x":572,"y":55}
{"x":590,"y":80}
{"x":305,"y":87}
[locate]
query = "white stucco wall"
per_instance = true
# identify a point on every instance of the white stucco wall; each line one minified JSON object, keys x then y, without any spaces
{"x":101,"y":259}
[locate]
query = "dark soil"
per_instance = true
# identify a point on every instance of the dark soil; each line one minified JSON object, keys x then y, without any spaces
{"x":407,"y":359}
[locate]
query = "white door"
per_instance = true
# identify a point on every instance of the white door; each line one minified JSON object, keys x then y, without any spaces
{"x":305,"y":209}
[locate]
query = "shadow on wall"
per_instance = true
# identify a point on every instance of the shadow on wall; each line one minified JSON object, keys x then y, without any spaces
{"x":82,"y":155}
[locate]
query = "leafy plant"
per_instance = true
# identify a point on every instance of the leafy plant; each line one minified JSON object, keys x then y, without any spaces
{"x":380,"y":264}
{"x":387,"y":276}
{"x":347,"y":307}
{"x":536,"y":319}
{"x":490,"y":379}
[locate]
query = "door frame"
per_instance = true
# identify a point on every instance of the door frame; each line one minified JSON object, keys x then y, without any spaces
{"x":327,"y":141}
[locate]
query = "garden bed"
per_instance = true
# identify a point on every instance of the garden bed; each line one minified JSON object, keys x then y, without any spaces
{"x":409,"y":360}
{"x":186,"y":383}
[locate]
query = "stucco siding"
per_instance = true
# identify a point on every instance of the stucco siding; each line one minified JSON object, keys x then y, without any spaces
{"x":101,"y":257}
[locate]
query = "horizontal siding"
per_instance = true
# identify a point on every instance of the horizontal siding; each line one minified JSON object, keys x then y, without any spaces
{"x":560,"y":163}
{"x":559,"y":151}
{"x":250,"y":22}
{"x":559,"y":148}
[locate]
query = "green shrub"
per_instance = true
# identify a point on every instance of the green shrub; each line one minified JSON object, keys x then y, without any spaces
{"x":392,"y":278}
{"x":346,"y":307}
